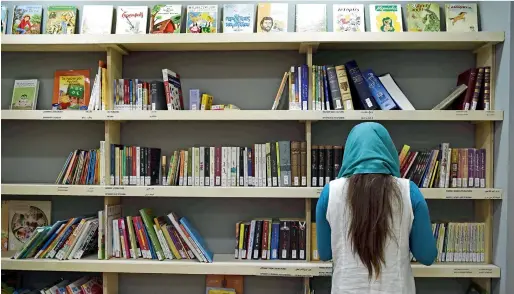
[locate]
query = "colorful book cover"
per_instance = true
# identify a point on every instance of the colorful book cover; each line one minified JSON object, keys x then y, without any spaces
{"x":238,"y":18}
{"x":311,"y":18}
{"x":166,"y":19}
{"x":71,"y":90}
{"x":272,"y":17}
{"x":348,"y":18}
{"x":423,"y":17}
{"x":5,"y":225}
{"x":202,"y":19}
{"x":4,"y":18}
{"x":386,"y":17}
{"x":61,"y":20}
{"x":24,"y":218}
{"x":24,"y":94}
{"x":461,"y":17}
{"x":131,"y":19}
{"x":197,"y":239}
{"x":27,"y":19}
{"x":97,"y":19}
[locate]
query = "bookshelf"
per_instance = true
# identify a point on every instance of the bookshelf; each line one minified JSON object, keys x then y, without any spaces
{"x":119,"y":47}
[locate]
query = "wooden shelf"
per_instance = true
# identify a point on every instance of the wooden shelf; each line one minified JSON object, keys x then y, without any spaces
{"x":220,"y":192}
{"x":252,"y":41}
{"x":256,"y":115}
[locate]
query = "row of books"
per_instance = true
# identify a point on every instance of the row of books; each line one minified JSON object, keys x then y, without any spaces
{"x":240,"y":18}
{"x":84,"y":285}
{"x":149,"y":237}
{"x":83,"y":167}
{"x":325,"y":163}
{"x":271,"y":239}
{"x":460,"y":242}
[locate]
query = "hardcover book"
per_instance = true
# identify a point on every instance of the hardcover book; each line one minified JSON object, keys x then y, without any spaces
{"x":131,"y":19}
{"x":461,"y":17}
{"x":238,"y":18}
{"x":97,"y":19}
{"x":423,"y":17}
{"x":311,"y":18}
{"x":24,"y":95}
{"x":202,"y":19}
{"x":27,"y":19}
{"x":348,"y":18}
{"x":272,"y":17}
{"x":24,"y":218}
{"x":4,"y":18}
{"x":385,"y":17}
{"x":71,"y":90}
{"x":61,"y":20}
{"x":166,"y":19}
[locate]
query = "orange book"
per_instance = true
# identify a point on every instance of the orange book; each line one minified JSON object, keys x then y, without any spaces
{"x":235,"y":282}
{"x":71,"y":90}
{"x":181,"y":175}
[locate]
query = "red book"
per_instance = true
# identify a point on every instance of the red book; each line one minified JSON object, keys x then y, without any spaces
{"x":265,"y":241}
{"x":134,"y":162}
{"x":468,"y":78}
{"x":124,"y":233}
{"x":187,"y":250}
{"x":138,"y":224}
{"x":217,"y":166}
{"x":408,"y":162}
{"x":126,"y":92}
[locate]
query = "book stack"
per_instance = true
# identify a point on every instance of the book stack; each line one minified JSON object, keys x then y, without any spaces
{"x":148,"y":237}
{"x":89,"y":285}
{"x":83,"y":167}
{"x":99,"y":91}
{"x":271,"y":239}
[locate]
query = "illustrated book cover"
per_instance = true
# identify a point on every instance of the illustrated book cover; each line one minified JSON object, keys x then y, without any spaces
{"x":311,"y":18}
{"x":24,"y":95}
{"x":385,"y":17}
{"x":27,"y":19}
{"x":5,"y":225}
{"x":423,"y":17}
{"x":202,"y":19}
{"x":272,"y":17}
{"x":4,"y":18}
{"x":97,"y":19}
{"x":348,"y":18}
{"x":461,"y":17}
{"x":131,"y":19}
{"x":61,"y":20}
{"x":71,"y":90}
{"x":24,"y":218}
{"x":166,"y":19}
{"x":238,"y":18}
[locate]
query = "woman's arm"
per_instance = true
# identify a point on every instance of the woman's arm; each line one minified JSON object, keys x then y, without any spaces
{"x":322,"y":226}
{"x":422,"y":243}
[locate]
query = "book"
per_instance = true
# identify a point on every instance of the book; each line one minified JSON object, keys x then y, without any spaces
{"x":423,"y":17}
{"x":360,"y":86}
{"x":202,"y":19}
{"x":27,"y":19}
{"x":5,"y":225}
{"x":131,"y":19}
{"x":469,"y":78}
{"x":97,"y":19}
{"x":344,"y":87}
{"x":173,"y":90}
{"x":385,"y":17}
{"x":395,"y":92}
{"x":461,"y":17}
{"x":456,"y":92}
{"x":272,"y":17}
{"x":71,"y":90}
{"x":348,"y":18}
{"x":61,"y":20}
{"x":311,"y":18}
{"x":24,"y":218}
{"x":382,"y":97}
{"x":3,"y":19}
{"x":166,"y":19}
{"x":238,"y":18}
{"x":24,"y":95}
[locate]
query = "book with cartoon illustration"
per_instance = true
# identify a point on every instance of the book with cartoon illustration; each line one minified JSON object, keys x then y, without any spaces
{"x":202,"y":19}
{"x":311,"y":18}
{"x":423,"y":17}
{"x":272,"y":17}
{"x":131,"y":19}
{"x":348,"y":18}
{"x":238,"y":18}
{"x":385,"y":17}
{"x":166,"y":19}
{"x":4,"y":18}
{"x":97,"y":19}
{"x":24,"y":218}
{"x":461,"y":17}
{"x":71,"y":90}
{"x":61,"y":20}
{"x":27,"y":19}
{"x":24,"y":95}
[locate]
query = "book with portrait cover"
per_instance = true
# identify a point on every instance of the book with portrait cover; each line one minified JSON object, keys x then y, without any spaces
{"x":202,"y":19}
{"x":385,"y":17}
{"x":131,"y":19}
{"x":272,"y":17}
{"x":27,"y":19}
{"x":423,"y":17}
{"x":348,"y":18}
{"x":238,"y":18}
{"x":166,"y":19}
{"x":461,"y":17}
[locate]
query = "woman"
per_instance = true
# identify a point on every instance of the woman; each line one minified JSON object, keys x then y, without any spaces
{"x":369,"y":218}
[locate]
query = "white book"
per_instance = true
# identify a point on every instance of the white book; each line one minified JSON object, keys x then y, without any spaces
{"x":97,"y":19}
{"x":453,"y":95}
{"x":111,"y":212}
{"x":101,"y":234}
{"x":192,"y":246}
{"x":238,"y":18}
{"x":448,"y":169}
{"x":348,"y":18}
{"x":257,"y":169}
{"x":193,"y":165}
{"x":445,"y":147}
{"x":386,"y":18}
{"x":240,"y":180}
{"x":162,"y":241}
{"x":263,"y":164}
{"x":461,"y":17}
{"x":212,"y":157}
{"x":131,"y":20}
{"x":202,"y":166}
{"x":82,"y":238}
{"x":249,"y":252}
{"x":224,"y":156}
{"x":311,"y":18}
{"x":245,"y":166}
{"x":395,"y":92}
{"x":233,"y":167}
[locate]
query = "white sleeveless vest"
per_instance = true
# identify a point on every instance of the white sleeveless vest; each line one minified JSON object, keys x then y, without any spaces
{"x":349,"y":275}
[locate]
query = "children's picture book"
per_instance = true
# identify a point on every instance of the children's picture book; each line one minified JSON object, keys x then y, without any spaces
{"x":202,"y":19}
{"x":71,"y":90}
{"x":97,"y":19}
{"x":238,"y":18}
{"x":385,"y":17}
{"x":27,"y":19}
{"x":131,"y":19}
{"x":24,"y":94}
{"x":348,"y":18}
{"x":61,"y":20}
{"x":461,"y":17}
{"x":272,"y":17}
{"x":4,"y":18}
{"x":423,"y":17}
{"x":24,"y":218}
{"x":311,"y":18}
{"x":166,"y":19}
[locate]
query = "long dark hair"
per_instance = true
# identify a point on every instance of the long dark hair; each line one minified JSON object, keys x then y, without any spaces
{"x":370,"y":199}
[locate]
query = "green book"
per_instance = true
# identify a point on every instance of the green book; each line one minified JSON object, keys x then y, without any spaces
{"x":189,"y":167}
{"x":147,"y":216}
{"x":24,"y":94}
{"x":132,"y":237}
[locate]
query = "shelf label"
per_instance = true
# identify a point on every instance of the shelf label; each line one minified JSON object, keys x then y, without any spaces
{"x":469,"y":193}
{"x":462,"y":271}
{"x":111,"y":114}
{"x":52,"y":114}
{"x":153,"y":115}
{"x":461,"y":112}
{"x":115,"y":191}
{"x":285,"y":272}
{"x":91,"y":190}
{"x":490,"y":113}
{"x":367,"y":115}
{"x":324,"y":271}
{"x":149,"y":191}
{"x":63,"y":189}
{"x":332,"y":115}
{"x":485,"y":271}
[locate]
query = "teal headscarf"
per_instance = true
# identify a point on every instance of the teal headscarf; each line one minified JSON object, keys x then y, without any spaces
{"x":369,"y":150}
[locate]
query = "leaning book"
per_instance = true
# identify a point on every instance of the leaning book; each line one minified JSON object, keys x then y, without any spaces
{"x":24,"y":95}
{"x":24,"y":218}
{"x":423,"y":17}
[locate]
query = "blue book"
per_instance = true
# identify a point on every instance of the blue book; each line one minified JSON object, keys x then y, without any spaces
{"x":197,"y":239}
{"x":194,"y":99}
{"x":52,"y":234}
{"x":92,"y":168}
{"x":29,"y":251}
{"x":250,"y":164}
{"x":328,"y":98}
{"x":384,"y":100}
{"x":275,"y":231}
{"x":305,"y":87}
{"x":427,"y":169}
{"x":359,"y":86}
{"x":131,"y":92}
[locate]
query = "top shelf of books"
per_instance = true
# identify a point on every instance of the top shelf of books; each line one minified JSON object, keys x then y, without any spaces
{"x":253,"y":41}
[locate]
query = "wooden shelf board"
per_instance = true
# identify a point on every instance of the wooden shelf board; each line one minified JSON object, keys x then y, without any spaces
{"x":220,"y":192}
{"x":252,"y":41}
{"x":256,"y":115}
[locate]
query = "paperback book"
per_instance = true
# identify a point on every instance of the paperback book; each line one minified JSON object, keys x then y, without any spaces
{"x":24,"y":218}
{"x":97,"y":19}
{"x":202,"y":19}
{"x":423,"y":17}
{"x":71,"y":90}
{"x":348,"y":18}
{"x":461,"y":17}
{"x":272,"y":17}
{"x":311,"y":18}
{"x":386,"y":17}
{"x":61,"y":20}
{"x":4,"y":19}
{"x":27,"y":19}
{"x":131,"y":19}
{"x":166,"y":19}
{"x":238,"y":18}
{"x":24,"y":95}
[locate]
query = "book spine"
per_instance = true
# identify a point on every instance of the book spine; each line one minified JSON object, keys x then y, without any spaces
{"x":263,"y":166}
{"x":197,"y":166}
{"x":487,"y":88}
{"x":273,"y":164}
{"x":246,"y":235}
{"x":344,"y":87}
{"x":207,"y":166}
{"x":329,"y":164}
{"x":302,"y":240}
{"x":360,"y":86}
{"x":291,"y":89}
{"x":294,"y":239}
{"x":482,"y":168}
{"x":335,"y":92}
{"x":241,"y":166}
{"x":285,"y":240}
{"x":454,"y":167}
{"x":126,"y":240}
{"x":217,"y":165}
{"x":468,"y":96}
{"x":152,"y":234}
{"x":305,"y":87}
{"x":285,"y":163}
{"x":295,"y":163}
{"x":256,"y":252}
{"x":379,"y":92}
{"x":160,"y":236}
{"x":471,"y":167}
{"x":265,"y":239}
{"x":275,"y":236}
{"x":303,"y":164}
{"x":476,"y":165}
{"x":338,"y":158}
{"x":224,"y":167}
{"x":445,"y":148}
{"x":236,"y":252}
{"x":321,"y":166}
{"x":314,"y":165}
{"x":202,"y":166}
{"x":245,"y":166}
{"x":250,"y":166}
{"x":477,"y":90}
{"x":175,"y":238}
{"x":234,"y":154}
{"x":268,"y":165}
{"x":251,"y":239}
{"x":328,"y":98}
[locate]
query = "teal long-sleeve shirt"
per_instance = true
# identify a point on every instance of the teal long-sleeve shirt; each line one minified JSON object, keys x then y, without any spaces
{"x":421,"y":240}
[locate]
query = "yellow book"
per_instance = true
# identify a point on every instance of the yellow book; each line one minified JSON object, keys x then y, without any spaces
{"x":206,"y":102}
{"x":314,"y":243}
{"x":220,"y":291}
{"x":403,"y":154}
{"x":167,"y":236}
{"x":241,"y":238}
{"x":434,"y":172}
{"x":104,"y":88}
